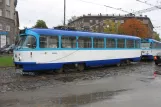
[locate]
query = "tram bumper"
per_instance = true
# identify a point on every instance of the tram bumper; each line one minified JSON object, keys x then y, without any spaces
{"x":147,"y":57}
{"x":33,"y":66}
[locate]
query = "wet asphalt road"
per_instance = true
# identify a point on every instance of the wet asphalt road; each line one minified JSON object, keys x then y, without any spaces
{"x":126,"y":86}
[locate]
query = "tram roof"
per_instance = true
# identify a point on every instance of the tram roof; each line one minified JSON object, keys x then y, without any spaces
{"x":150,"y":40}
{"x":79,"y":33}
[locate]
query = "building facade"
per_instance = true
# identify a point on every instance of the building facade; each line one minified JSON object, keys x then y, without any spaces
{"x":9,"y":21}
{"x":88,"y":21}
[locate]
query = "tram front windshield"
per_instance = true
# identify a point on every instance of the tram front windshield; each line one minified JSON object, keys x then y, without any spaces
{"x":27,"y":42}
{"x":146,"y":45}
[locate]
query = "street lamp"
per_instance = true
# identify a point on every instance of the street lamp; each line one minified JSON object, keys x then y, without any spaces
{"x":64,"y":11}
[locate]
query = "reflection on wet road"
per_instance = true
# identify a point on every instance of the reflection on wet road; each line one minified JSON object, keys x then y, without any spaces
{"x":127,"y":86}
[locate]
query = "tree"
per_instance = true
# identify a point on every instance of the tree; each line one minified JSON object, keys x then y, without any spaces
{"x":40,"y":24}
{"x":110,"y":26}
{"x":72,"y":19}
{"x":134,"y":27}
{"x":156,"y":36}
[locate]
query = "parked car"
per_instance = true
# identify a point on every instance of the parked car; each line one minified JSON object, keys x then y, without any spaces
{"x":4,"y":47}
{"x":9,"y":49}
{"x":157,"y":58}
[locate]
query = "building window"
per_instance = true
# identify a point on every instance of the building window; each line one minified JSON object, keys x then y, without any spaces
{"x":8,"y":14}
{"x":120,"y":43}
{"x":130,"y":43}
{"x":91,"y":21}
{"x":68,"y":42}
{"x":49,"y":41}
{"x":82,"y":21}
{"x":8,"y":28}
{"x":8,"y":2}
{"x":0,"y":12}
{"x":122,"y":21}
{"x":116,"y":21}
{"x":97,"y":21}
{"x":98,"y":42}
{"x":96,"y":27}
{"x":110,"y":43}
{"x":84,"y":42}
{"x":1,"y":27}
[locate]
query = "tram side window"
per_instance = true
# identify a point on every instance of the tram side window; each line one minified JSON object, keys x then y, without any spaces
{"x":98,"y":42}
{"x":120,"y":43}
{"x":53,"y":42}
{"x":159,"y":46}
{"x":84,"y":42}
{"x":68,"y":42}
{"x":110,"y":43}
{"x":130,"y":43}
{"x":154,"y":45}
{"x":49,"y":42}
{"x":137,"y":44}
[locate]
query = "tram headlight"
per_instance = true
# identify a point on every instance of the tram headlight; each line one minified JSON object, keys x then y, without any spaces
{"x":19,"y":58}
{"x":15,"y":55}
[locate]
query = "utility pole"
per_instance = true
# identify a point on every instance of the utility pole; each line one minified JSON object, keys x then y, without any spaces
{"x":64,"y":11}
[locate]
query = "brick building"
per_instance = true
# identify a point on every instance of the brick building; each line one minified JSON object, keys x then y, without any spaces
{"x":88,"y":21}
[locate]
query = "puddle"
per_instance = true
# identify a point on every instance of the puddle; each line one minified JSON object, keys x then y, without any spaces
{"x":74,"y":101}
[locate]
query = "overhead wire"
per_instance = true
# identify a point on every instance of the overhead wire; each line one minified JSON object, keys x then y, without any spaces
{"x":145,"y":2}
{"x":120,"y":9}
{"x":135,"y":12}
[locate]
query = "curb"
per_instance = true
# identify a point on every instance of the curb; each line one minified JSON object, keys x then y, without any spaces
{"x":7,"y":67}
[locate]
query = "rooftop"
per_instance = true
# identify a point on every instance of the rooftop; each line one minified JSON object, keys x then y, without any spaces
{"x":112,"y":16}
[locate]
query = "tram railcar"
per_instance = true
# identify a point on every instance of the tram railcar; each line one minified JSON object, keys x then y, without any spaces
{"x":51,"y":49}
{"x":150,"y":48}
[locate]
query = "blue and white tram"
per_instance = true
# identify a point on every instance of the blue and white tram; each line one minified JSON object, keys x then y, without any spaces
{"x":50,"y":49}
{"x":150,"y":48}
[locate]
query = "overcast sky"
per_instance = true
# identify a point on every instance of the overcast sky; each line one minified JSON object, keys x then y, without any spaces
{"x":51,"y":11}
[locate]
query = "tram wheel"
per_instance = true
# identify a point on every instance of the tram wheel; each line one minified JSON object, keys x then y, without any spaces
{"x":122,"y":62}
{"x":80,"y":67}
{"x":61,"y":70}
{"x":128,"y":62}
{"x":118,"y":65}
{"x":156,"y":63}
